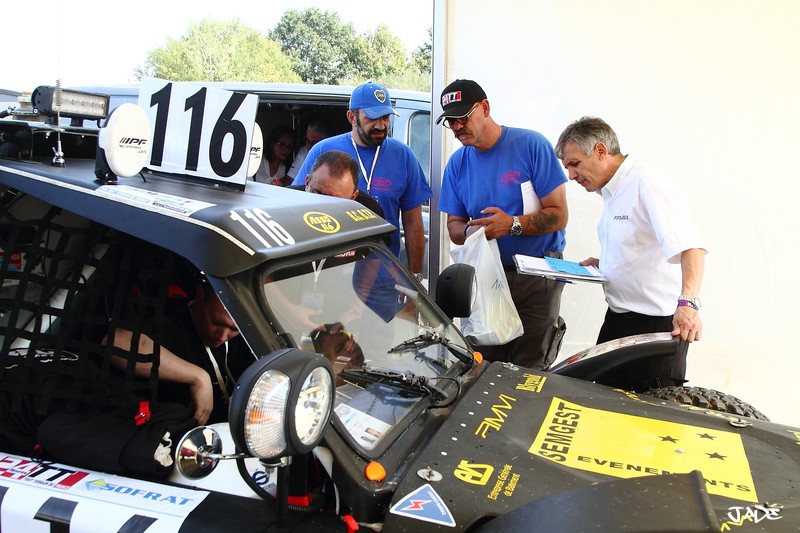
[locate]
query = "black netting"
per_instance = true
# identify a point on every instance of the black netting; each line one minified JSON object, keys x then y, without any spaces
{"x":67,"y":284}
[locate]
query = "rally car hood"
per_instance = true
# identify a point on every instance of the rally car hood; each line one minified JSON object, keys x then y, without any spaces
{"x":518,"y":436}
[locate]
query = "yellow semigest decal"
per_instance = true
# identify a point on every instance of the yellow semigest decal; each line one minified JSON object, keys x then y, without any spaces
{"x":627,"y":446}
{"x":321,"y":222}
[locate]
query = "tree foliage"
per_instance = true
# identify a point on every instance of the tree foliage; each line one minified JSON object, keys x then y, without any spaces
{"x":378,"y":54}
{"x":213,"y":50}
{"x":318,"y":42}
{"x":421,"y":57}
{"x":308,"y":45}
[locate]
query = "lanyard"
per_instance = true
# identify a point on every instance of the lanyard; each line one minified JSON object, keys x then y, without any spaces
{"x":220,"y":379}
{"x":361,"y":163}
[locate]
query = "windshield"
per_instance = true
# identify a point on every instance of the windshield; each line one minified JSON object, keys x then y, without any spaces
{"x":361,"y":311}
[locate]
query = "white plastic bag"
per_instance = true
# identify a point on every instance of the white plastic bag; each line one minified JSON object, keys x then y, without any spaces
{"x":494,"y":318}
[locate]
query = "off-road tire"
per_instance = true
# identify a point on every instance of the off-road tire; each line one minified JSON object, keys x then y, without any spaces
{"x":708,"y":399}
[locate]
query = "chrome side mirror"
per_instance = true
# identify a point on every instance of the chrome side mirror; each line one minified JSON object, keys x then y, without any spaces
{"x":198,"y":452}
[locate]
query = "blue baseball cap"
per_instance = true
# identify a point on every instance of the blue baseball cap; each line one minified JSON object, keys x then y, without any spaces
{"x":373,"y":99}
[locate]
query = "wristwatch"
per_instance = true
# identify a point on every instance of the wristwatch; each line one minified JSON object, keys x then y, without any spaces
{"x":418,"y":276}
{"x":516,"y":227}
{"x":689,"y":301}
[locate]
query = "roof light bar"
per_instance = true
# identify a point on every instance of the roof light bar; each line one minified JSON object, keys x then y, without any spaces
{"x":55,"y":101}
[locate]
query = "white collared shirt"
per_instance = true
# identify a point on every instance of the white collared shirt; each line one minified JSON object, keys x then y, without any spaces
{"x":644,"y":227}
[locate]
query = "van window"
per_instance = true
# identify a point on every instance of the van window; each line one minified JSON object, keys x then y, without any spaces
{"x":419,"y":139}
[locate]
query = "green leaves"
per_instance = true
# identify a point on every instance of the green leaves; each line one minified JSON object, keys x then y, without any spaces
{"x":213,"y":50}
{"x":310,"y":46}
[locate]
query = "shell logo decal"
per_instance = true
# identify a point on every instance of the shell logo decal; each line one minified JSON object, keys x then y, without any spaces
{"x":321,"y":222}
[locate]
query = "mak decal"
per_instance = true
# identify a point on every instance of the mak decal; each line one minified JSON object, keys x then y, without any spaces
{"x":500,"y":411}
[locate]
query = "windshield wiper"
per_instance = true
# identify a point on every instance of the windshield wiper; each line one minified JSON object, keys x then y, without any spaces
{"x":411,"y":385}
{"x":431,"y":337}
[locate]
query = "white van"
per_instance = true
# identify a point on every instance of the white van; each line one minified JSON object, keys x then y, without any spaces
{"x":294,"y":105}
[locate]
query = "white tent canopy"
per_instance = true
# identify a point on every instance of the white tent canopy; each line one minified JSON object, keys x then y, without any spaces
{"x":706,"y":90}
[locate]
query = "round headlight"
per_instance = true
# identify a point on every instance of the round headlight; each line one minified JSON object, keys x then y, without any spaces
{"x":264,"y":415}
{"x":313,"y":406}
{"x":282,"y":404}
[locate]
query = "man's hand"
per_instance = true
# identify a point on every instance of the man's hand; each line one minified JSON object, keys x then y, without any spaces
{"x":496,"y":225}
{"x":687,"y":323}
{"x":591,"y":261}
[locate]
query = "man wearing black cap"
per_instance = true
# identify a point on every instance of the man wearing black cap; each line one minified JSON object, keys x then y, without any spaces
{"x":388,"y":169}
{"x":509,"y":181}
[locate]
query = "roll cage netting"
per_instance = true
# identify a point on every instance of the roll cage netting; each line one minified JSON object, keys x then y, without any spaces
{"x":68,"y":284}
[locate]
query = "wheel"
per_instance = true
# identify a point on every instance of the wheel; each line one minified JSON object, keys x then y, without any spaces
{"x":708,"y":399}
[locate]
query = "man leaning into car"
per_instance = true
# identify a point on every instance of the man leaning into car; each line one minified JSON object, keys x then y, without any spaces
{"x":197,"y":362}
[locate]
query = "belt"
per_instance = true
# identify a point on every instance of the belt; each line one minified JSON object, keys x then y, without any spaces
{"x":633,"y":314}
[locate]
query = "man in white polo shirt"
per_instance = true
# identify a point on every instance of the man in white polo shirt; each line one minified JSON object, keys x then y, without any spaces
{"x":650,"y":250}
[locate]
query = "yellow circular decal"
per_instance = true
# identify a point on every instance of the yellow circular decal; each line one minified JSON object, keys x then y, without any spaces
{"x":321,"y":222}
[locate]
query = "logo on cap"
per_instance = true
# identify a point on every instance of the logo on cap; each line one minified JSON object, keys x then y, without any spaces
{"x":449,"y":98}
{"x":380,"y":94}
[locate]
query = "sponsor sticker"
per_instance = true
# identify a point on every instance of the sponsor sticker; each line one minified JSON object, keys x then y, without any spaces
{"x":157,"y":201}
{"x":426,"y":505}
{"x":626,"y":446}
{"x":322,"y":222}
{"x":532,"y":383}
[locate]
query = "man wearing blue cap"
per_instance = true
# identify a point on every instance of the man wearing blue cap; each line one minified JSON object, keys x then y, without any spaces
{"x":388,"y":169}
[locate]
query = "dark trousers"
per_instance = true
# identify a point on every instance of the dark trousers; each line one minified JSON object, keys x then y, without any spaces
{"x":651,"y":373}
{"x":538,"y":301}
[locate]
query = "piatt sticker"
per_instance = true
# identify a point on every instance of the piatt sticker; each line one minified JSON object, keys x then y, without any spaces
{"x":424,"y":504}
{"x":627,"y":446}
{"x":321,"y":222}
{"x":39,"y":473}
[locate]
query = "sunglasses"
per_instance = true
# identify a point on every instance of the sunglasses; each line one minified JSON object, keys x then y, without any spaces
{"x":449,"y":123}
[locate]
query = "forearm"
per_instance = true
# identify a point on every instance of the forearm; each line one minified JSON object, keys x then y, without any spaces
{"x":542,"y":222}
{"x":692,"y":267}
{"x":414,"y":231}
{"x":170,"y":368}
{"x":457,"y":229}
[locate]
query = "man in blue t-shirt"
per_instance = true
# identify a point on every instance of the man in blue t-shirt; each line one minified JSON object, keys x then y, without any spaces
{"x":509,"y":181}
{"x":388,"y":169}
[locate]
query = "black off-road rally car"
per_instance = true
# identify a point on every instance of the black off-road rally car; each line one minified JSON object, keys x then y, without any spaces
{"x":360,"y":406}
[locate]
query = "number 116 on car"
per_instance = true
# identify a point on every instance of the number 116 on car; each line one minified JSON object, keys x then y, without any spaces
{"x":198,"y":130}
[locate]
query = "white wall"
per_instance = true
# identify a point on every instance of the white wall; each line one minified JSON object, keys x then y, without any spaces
{"x":708,"y":90}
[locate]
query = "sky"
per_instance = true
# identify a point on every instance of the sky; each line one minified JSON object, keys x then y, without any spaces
{"x":101,"y":42}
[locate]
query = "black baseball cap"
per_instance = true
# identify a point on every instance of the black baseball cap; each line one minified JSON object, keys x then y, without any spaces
{"x":459,"y":97}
